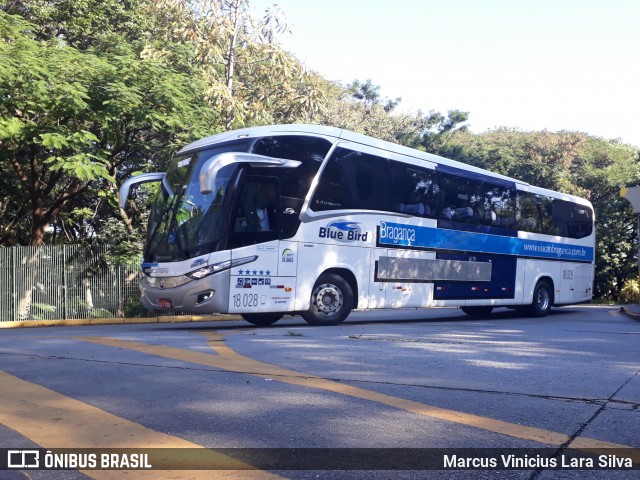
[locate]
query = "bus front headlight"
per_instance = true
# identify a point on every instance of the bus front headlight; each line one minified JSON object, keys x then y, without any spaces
{"x":219,"y":267}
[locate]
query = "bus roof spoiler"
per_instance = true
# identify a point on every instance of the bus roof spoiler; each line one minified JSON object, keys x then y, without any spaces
{"x":212,"y":166}
{"x":130,"y":182}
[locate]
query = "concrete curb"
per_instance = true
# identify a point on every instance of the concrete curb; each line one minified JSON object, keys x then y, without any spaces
{"x":629,"y":313}
{"x":119,"y":321}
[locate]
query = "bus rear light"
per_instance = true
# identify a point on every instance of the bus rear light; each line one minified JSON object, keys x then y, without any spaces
{"x":165,"y":303}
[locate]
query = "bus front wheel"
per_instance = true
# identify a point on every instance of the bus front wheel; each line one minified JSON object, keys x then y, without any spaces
{"x":542,"y":300}
{"x":262,"y":319}
{"x":331,"y":301}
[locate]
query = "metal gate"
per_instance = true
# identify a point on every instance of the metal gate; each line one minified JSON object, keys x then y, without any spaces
{"x":66,"y":282}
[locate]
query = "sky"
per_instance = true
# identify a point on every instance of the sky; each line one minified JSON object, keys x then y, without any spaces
{"x":527,"y":64}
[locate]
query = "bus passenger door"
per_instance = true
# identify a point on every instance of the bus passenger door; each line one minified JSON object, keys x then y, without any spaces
{"x":267,"y":283}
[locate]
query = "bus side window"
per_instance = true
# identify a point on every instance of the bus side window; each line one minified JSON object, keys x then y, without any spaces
{"x":499,"y":206}
{"x":413,"y":190}
{"x":529,"y":216}
{"x":463,"y":200}
{"x":353,"y":180}
{"x":571,"y":220}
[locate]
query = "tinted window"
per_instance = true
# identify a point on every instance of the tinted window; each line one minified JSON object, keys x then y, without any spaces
{"x":535,"y":214}
{"x":571,"y":219}
{"x":257,"y":211}
{"x":542,"y":214}
{"x":309,"y":150}
{"x":353,"y":180}
{"x":414,"y":190}
{"x":293,"y":147}
{"x":463,"y":199}
{"x":499,"y":206}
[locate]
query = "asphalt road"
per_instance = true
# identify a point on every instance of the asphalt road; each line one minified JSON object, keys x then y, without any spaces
{"x":433,"y":379}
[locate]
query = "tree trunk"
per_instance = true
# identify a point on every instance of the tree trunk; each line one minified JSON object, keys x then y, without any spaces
{"x":88,"y":295}
{"x":231,"y":62}
{"x":26,"y":281}
{"x":41,"y":221}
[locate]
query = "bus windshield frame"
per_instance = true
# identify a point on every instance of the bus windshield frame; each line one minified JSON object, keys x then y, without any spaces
{"x":187,"y":223}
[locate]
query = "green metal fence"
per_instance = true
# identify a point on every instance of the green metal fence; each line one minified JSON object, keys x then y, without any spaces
{"x":66,"y":282}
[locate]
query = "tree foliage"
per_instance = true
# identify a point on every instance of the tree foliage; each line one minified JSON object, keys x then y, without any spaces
{"x":95,"y":90}
{"x":92,"y":91}
{"x":71,"y":119}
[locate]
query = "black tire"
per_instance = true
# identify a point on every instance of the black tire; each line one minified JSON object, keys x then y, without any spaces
{"x":262,"y":319}
{"x":477,"y":311}
{"x":331,"y":301}
{"x":542,"y":300}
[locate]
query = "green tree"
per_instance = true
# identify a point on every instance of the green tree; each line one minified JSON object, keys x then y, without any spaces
{"x":250,"y":79}
{"x":603,"y":168}
{"x":84,"y":24}
{"x":71,"y":120}
{"x":360,"y":108}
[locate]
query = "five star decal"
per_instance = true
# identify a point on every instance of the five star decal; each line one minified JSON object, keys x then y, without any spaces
{"x":262,"y":273}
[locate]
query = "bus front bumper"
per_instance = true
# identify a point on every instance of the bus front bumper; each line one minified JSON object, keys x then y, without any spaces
{"x":206,"y":295}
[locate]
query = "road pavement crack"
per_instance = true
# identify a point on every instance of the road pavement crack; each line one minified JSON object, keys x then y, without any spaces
{"x":578,"y":433}
{"x":586,"y":400}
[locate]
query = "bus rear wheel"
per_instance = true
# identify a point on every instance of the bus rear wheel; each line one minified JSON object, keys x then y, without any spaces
{"x":542,"y":300}
{"x":477,"y":311}
{"x":331,"y":301}
{"x":261,"y":319}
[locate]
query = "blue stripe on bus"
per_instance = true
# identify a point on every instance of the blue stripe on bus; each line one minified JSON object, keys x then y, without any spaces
{"x":400,"y":235}
{"x":501,"y":286}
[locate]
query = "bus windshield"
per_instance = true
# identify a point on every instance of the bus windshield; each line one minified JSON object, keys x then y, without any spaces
{"x":185,"y":223}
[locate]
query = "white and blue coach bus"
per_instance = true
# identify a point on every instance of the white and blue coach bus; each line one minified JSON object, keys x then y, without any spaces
{"x":318,"y":221}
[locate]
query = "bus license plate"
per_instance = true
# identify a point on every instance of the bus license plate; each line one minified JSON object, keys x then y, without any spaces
{"x":164,"y":303}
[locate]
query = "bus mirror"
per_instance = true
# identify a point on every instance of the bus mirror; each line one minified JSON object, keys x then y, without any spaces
{"x":125,"y":189}
{"x":212,"y":166}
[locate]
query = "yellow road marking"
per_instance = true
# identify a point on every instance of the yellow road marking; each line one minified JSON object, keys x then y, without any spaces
{"x":227,"y":359}
{"x":53,"y":420}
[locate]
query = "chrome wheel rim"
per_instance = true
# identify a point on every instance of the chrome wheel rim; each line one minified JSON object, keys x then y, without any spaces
{"x":543,"y":299}
{"x":327,"y":299}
